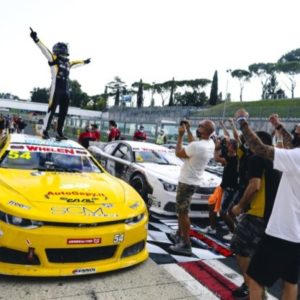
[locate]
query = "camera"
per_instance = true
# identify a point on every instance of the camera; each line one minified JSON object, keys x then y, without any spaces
{"x":183,"y":122}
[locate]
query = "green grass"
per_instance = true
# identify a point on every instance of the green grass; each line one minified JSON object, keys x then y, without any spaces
{"x":260,"y":109}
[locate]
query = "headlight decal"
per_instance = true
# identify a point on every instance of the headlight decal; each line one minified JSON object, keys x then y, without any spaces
{"x":19,"y":221}
{"x":134,"y":220}
{"x":170,"y":187}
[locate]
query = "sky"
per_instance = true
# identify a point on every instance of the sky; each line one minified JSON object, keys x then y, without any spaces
{"x":152,"y":40}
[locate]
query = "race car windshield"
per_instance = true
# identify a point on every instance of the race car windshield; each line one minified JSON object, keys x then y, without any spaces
{"x":152,"y":156}
{"x":26,"y":160}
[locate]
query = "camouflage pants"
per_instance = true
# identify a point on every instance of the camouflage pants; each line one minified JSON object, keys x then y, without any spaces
{"x":247,"y":235}
{"x":184,"y":197}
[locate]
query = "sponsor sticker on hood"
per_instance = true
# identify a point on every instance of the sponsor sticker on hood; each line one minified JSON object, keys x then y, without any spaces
{"x":86,"y":241}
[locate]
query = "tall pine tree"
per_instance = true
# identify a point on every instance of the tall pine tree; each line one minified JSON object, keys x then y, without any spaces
{"x":213,"y":98}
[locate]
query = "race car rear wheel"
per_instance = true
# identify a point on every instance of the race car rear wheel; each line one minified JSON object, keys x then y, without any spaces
{"x":139,"y":183}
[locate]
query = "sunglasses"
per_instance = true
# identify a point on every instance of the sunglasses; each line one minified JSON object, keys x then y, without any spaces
{"x":201,"y":125}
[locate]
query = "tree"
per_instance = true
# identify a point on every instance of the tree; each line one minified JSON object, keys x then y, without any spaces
{"x":115,"y":87}
{"x":243,"y":76}
{"x":271,"y":87}
{"x":77,"y":96}
{"x":291,"y":69}
{"x":293,"y":55}
{"x":140,"y":99}
{"x":97,"y":102}
{"x":40,"y":95}
{"x":191,"y":99}
{"x":196,"y":97}
{"x":289,"y":64}
{"x":8,"y":96}
{"x":173,"y":87}
{"x":264,"y":71}
{"x":213,"y":98}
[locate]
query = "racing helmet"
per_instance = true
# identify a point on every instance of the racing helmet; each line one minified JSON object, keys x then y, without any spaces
{"x":61,"y":49}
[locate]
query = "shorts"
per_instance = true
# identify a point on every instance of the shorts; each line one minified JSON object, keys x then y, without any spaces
{"x":228,"y":199}
{"x":215,"y":198}
{"x":275,"y":258}
{"x":184,"y":197}
{"x":247,"y":235}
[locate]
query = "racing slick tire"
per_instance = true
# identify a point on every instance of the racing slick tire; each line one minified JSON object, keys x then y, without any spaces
{"x":139,"y":183}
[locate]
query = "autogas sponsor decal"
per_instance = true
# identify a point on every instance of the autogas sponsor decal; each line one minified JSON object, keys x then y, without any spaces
{"x":18,"y":204}
{"x":84,"y":241}
{"x":84,"y":271}
{"x":82,"y":211}
{"x":78,"y":200}
{"x":73,"y":194}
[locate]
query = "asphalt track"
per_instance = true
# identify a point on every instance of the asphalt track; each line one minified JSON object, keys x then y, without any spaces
{"x":157,"y":278}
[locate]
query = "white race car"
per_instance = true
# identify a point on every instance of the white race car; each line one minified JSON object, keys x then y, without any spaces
{"x":153,"y":170}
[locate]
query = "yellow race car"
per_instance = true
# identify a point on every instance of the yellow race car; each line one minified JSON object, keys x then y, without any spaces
{"x":61,"y":214}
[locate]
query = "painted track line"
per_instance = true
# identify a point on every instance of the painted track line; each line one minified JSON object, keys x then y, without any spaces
{"x":189,"y":282}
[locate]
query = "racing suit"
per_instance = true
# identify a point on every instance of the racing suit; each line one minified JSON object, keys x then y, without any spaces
{"x":59,"y":91}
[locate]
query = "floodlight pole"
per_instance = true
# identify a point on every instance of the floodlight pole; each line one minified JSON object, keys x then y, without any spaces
{"x":226,"y":95}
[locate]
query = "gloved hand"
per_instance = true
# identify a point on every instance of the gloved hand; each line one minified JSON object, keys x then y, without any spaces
{"x":33,"y":35}
{"x":87,"y":61}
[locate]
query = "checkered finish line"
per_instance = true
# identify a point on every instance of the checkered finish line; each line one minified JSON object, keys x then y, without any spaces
{"x":204,"y":246}
{"x":203,"y":273}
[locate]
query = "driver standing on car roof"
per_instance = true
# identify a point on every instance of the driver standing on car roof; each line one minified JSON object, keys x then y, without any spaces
{"x":59,"y":91}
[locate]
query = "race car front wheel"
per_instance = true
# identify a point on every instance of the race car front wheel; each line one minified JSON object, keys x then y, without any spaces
{"x":138,"y":182}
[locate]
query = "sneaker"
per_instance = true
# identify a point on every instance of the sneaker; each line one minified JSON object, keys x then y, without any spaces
{"x":241,"y":292}
{"x":181,"y":248}
{"x":228,"y":237}
{"x":209,"y":230}
{"x":45,"y":135}
{"x":174,"y":237}
{"x":60,"y":137}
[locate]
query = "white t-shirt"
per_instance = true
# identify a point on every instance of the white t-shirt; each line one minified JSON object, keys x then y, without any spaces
{"x":199,"y":153}
{"x":284,"y":222}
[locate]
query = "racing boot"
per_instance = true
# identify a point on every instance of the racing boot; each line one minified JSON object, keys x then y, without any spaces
{"x":45,"y":135}
{"x":60,"y":137}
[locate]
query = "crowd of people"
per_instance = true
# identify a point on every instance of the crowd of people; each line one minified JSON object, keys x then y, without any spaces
{"x":258,"y":200}
{"x":114,"y":134}
{"x":11,"y":124}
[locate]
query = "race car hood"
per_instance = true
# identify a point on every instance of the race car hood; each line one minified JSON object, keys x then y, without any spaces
{"x":90,"y":197}
{"x":166,"y":171}
{"x":170,"y":173}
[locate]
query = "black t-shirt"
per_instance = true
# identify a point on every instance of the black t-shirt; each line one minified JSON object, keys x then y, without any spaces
{"x":243,"y":176}
{"x":230,"y":173}
{"x":259,"y":167}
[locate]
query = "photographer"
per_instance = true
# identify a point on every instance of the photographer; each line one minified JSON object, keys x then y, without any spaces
{"x":196,"y":156}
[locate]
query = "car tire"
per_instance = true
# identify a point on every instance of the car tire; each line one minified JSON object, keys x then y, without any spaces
{"x":139,"y":183}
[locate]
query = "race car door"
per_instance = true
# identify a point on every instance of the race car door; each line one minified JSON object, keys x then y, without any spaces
{"x":123,"y":158}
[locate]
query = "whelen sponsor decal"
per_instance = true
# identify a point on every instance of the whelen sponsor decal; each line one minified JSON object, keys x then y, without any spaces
{"x":84,"y":271}
{"x":84,"y":241}
{"x":47,"y":149}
